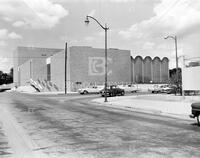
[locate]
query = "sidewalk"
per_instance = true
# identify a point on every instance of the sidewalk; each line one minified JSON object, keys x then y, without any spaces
{"x":168,"y":105}
{"x":20,"y":145}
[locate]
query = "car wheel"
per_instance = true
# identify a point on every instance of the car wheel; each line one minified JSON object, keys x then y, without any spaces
{"x":122,"y":93}
{"x":85,"y":92}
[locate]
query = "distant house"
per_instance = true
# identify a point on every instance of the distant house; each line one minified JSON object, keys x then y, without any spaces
{"x":191,"y":76}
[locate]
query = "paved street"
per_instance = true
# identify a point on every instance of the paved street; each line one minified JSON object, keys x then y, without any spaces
{"x":71,"y":126}
{"x":5,"y":149}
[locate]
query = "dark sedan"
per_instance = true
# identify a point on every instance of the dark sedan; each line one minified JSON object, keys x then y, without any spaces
{"x":113,"y":91}
{"x":195,"y":111}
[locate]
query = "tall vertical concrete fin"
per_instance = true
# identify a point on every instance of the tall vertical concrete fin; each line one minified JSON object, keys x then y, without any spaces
{"x":156,"y":69}
{"x":147,"y":69}
{"x":165,"y":70}
{"x":138,"y":69}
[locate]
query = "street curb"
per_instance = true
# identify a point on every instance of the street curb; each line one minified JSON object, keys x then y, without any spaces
{"x":143,"y":110}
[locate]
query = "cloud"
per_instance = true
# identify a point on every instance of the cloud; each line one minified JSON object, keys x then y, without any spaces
{"x":19,"y":24}
{"x":7,"y":19}
{"x":3,"y":60}
{"x":92,"y":13}
{"x":37,"y":14}
{"x":2,"y":43}
{"x":171,"y":17}
{"x":13,"y":35}
{"x":4,"y":34}
{"x":5,"y":64}
{"x":89,"y":38}
{"x":148,"y":45}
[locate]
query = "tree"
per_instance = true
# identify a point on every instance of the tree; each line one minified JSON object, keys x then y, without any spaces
{"x":6,"y":78}
{"x":176,"y":79}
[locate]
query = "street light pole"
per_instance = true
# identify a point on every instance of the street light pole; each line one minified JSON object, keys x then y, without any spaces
{"x":175,"y":40}
{"x":106,"y":60}
{"x":106,"y":65}
{"x":66,"y":68}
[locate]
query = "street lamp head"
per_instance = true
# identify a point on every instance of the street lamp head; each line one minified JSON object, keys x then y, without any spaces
{"x":87,"y":20}
{"x":166,"y":37}
{"x":173,"y":37}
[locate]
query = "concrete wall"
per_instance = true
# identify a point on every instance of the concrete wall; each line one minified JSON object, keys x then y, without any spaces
{"x":24,"y":73}
{"x":39,"y":69}
{"x":58,"y":70}
{"x":191,"y":78}
{"x":32,"y":69}
{"x":86,"y":65}
{"x":23,"y":54}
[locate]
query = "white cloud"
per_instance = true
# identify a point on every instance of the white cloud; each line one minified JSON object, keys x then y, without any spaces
{"x":35,"y":14}
{"x":19,"y":24}
{"x":2,"y":43}
{"x":89,"y":39}
{"x":5,"y":64}
{"x":148,"y":45}
{"x":171,"y":17}
{"x":92,"y":13}
{"x":13,"y":35}
{"x":7,"y":19}
{"x":3,"y":60}
{"x":4,"y":34}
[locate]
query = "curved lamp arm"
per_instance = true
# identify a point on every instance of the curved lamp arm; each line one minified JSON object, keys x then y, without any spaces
{"x":173,"y":37}
{"x":87,"y":21}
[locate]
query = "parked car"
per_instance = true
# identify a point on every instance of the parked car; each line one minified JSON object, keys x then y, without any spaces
{"x":195,"y":112}
{"x":129,"y":88}
{"x":167,"y":88}
{"x":155,"y":89}
{"x":93,"y":89}
{"x":175,"y":90}
{"x":4,"y":88}
{"x":113,"y":91}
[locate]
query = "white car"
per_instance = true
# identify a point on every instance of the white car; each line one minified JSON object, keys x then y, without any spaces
{"x":156,"y":89}
{"x":93,"y":89}
{"x":129,"y":88}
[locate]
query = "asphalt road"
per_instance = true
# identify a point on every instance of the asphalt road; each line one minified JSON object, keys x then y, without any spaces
{"x":71,"y":126}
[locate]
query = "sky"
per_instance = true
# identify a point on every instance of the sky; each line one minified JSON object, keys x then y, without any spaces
{"x":136,"y":25}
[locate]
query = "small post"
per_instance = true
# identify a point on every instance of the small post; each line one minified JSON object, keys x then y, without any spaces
{"x":66,"y":68}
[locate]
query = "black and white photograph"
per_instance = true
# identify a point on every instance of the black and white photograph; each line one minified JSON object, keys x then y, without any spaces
{"x":99,"y":78}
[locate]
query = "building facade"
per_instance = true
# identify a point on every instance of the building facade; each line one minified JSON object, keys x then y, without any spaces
{"x":30,"y":61}
{"x":86,"y":66}
{"x":45,"y":68}
{"x":150,"y":70}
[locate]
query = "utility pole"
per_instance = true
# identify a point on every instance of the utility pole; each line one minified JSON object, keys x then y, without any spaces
{"x":66,"y":68}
